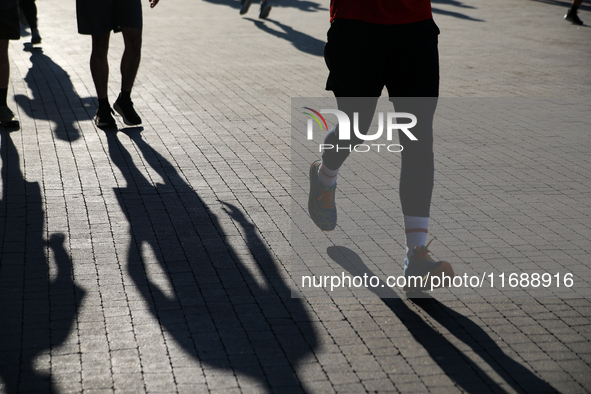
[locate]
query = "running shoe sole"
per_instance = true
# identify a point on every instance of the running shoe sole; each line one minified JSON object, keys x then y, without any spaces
{"x":11,"y":123}
{"x":102,"y":125}
{"x":265,"y":12}
{"x":245,"y":7}
{"x":574,"y":19}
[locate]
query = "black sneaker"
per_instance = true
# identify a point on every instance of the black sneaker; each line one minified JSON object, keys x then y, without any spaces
{"x":7,"y":118}
{"x":573,"y":18}
{"x":125,"y":109}
{"x":104,"y":118}
{"x":245,"y":6}
{"x":35,"y":37}
{"x":265,"y":10}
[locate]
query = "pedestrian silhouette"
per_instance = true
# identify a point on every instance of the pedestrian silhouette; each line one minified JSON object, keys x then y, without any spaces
{"x":54,"y":98}
{"x":36,"y":314}
{"x":218,"y":311}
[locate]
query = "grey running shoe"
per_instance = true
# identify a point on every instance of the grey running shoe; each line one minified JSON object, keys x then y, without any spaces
{"x":421,"y":267}
{"x":265,"y":9}
{"x":245,"y":5}
{"x":7,"y":118}
{"x":321,"y":205}
{"x":573,"y":18}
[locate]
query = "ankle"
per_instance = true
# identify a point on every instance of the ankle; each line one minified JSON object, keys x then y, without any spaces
{"x":415,"y":230}
{"x":124,"y":96}
{"x":103,"y":103}
{"x":326,"y":176}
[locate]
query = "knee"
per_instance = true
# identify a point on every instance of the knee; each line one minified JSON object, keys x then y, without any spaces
{"x":100,"y":49}
{"x":98,"y":57}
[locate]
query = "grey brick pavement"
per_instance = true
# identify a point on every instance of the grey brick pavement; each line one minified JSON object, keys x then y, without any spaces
{"x":156,"y":259}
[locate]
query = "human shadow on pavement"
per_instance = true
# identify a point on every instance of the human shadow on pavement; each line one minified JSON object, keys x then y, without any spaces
{"x":455,"y":3}
{"x":54,"y":98}
{"x":303,"y":5}
{"x":36,"y":313}
{"x":299,"y":40}
{"x":310,"y":6}
{"x":197,"y":280}
{"x":452,"y":361}
{"x":453,"y":14}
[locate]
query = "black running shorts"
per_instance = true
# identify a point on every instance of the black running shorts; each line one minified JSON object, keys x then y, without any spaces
{"x":99,"y":17}
{"x":10,"y":28}
{"x":364,"y":57}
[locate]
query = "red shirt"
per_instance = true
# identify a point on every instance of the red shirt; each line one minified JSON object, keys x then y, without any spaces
{"x":383,"y":12}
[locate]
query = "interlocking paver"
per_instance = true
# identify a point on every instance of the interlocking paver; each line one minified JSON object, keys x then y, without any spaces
{"x":157,"y":259}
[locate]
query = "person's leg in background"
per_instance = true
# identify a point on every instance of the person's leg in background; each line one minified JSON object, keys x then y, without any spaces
{"x":99,"y":68}
{"x":9,"y":30}
{"x":265,"y":8}
{"x":571,"y":15}
{"x":128,"y":14}
{"x":130,"y":63}
{"x":29,"y":8}
{"x":95,"y":18}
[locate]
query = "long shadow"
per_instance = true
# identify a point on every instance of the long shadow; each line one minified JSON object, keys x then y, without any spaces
{"x":230,"y":3}
{"x":455,"y":15}
{"x":199,"y":286}
{"x":36,"y":313}
{"x":54,"y":98}
{"x":459,"y":367}
{"x":310,"y":6}
{"x":303,"y":5}
{"x":455,"y":3}
{"x":301,"y":41}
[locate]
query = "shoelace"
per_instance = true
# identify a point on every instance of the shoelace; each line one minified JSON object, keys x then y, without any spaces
{"x":422,"y":253}
{"x":327,"y":199}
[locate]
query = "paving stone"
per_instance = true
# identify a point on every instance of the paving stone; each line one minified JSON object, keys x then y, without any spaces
{"x":157,"y":258}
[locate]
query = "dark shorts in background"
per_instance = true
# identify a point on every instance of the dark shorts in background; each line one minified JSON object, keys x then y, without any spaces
{"x":99,"y":17}
{"x":10,"y":28}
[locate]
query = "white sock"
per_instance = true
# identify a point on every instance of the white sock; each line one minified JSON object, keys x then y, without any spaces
{"x":415,"y":229}
{"x":326,"y":176}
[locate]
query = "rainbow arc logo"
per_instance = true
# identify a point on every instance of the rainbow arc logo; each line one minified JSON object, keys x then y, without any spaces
{"x":316,"y":115}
